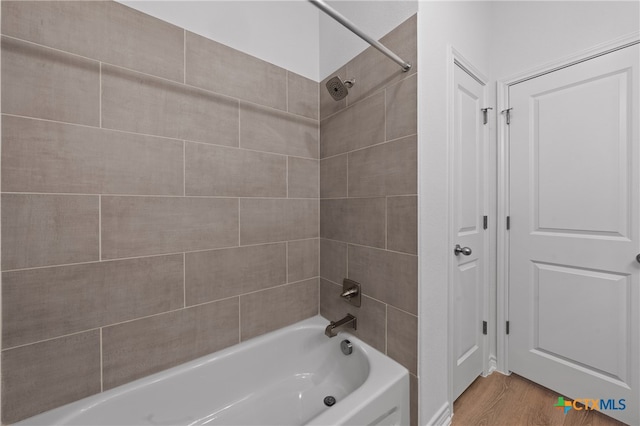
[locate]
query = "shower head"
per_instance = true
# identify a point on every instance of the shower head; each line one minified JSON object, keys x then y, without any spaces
{"x":339,"y":89}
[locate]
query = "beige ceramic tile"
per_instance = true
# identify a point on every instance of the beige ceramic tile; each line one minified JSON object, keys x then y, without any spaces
{"x":302,"y":95}
{"x":328,"y":105}
{"x":333,"y":177}
{"x":221,"y":69}
{"x":41,"y":230}
{"x":303,"y":259}
{"x":278,"y":307}
{"x":386,"y":276}
{"x":45,"y":83}
{"x":43,"y":303}
{"x":387,"y":169}
{"x":103,"y":30}
{"x":402,"y":338}
{"x":139,"y":226}
{"x":271,"y":220}
{"x":356,"y":127}
{"x":375,"y":71}
{"x":44,"y":156}
{"x":402,"y":104}
{"x":232,"y":172}
{"x":370,"y":315}
{"x":138,"y":348}
{"x":333,"y":260}
{"x":217,"y":274}
{"x":142,"y":104}
{"x":304,"y":178}
{"x":354,"y":220}
{"x":269,"y":130}
{"x":42,"y":376}
{"x":402,"y":224}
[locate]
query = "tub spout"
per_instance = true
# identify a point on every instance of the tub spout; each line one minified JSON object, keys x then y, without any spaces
{"x":348,"y":321}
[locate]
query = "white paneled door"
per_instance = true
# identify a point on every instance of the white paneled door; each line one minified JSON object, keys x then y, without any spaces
{"x":468,"y":198}
{"x":574,"y":280}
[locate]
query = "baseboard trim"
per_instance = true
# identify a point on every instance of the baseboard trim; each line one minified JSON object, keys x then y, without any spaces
{"x":442,"y":417}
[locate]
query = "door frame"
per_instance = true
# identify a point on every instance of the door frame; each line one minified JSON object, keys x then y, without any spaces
{"x":455,"y":58}
{"x":503,"y":85}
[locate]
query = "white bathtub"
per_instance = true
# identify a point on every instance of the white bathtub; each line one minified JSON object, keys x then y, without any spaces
{"x":280,"y":378}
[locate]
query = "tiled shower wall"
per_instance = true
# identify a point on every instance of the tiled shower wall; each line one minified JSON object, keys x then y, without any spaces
{"x":368,"y":206}
{"x":160,"y":199}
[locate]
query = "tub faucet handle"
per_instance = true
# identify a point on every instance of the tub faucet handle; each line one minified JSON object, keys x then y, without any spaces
{"x":351,"y":292}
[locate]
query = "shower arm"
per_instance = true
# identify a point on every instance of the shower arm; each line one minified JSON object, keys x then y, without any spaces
{"x":320,"y":4}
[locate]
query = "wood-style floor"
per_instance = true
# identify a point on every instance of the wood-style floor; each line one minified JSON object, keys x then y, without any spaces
{"x":499,"y":400}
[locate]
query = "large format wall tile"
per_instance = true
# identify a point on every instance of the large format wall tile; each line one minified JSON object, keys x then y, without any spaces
{"x":356,"y":127}
{"x":46,"y":83}
{"x":219,"y":68}
{"x":271,"y":220}
{"x":374,"y":71}
{"x":232,"y":172}
{"x":42,"y":376}
{"x":42,"y":303}
{"x":266,"y":129}
{"x":218,"y":274}
{"x":354,"y":220}
{"x":402,"y":332}
{"x":402,"y":224}
{"x":333,"y":177}
{"x":302,"y":95}
{"x":44,"y":156}
{"x":333,"y":260}
{"x":138,"y":348}
{"x":41,"y":230}
{"x":371,"y":314}
{"x":139,"y":226}
{"x":103,"y":30}
{"x":139,"y":103}
{"x":389,"y":277}
{"x":303,"y":259}
{"x":387,"y":169}
{"x":402,"y":108}
{"x":278,"y":307}
{"x":303,"y":178}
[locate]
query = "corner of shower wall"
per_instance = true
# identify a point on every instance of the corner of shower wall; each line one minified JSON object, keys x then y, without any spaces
{"x":368,"y":199}
{"x":160,"y":199}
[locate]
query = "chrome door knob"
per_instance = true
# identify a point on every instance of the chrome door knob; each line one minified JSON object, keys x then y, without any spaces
{"x":638,"y":258}
{"x":465,"y":250}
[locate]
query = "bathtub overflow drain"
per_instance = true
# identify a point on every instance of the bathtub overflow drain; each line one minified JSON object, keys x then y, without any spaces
{"x":329,"y":401}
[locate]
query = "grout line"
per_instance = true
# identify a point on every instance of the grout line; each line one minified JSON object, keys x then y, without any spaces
{"x":184,"y":168}
{"x":184,"y":279}
{"x":370,"y":197}
{"x":286,"y":261}
{"x":370,"y":146}
{"x":286,"y":172}
{"x":100,"y":95}
{"x":386,"y":328}
{"x":286,"y":88}
{"x":100,"y":228}
{"x":369,"y":247}
{"x":239,"y":320}
{"x":386,"y":223}
{"x":211,"y":197}
{"x":385,"y":113}
{"x":101,"y":364}
{"x":107,"y":129}
{"x":239,"y":125}
{"x":239,"y":228}
{"x":184,"y":56}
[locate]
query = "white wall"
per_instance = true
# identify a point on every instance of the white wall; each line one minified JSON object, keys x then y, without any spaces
{"x":376,"y":18}
{"x":285,"y":33}
{"x":529,"y":34}
{"x":440,"y":24}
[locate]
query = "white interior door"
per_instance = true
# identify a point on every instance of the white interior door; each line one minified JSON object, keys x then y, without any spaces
{"x":574,"y":282}
{"x":468,"y":277}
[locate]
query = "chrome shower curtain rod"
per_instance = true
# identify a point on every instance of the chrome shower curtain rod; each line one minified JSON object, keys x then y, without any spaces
{"x":320,"y":4}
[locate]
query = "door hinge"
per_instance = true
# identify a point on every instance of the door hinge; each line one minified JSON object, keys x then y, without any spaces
{"x":507,"y":115}
{"x":507,"y":327}
{"x":485,"y":222}
{"x":485,"y":114}
{"x":508,"y":222}
{"x":484,"y":327}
